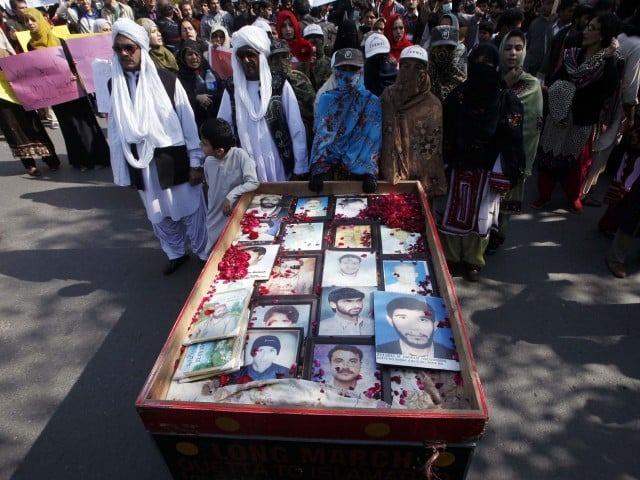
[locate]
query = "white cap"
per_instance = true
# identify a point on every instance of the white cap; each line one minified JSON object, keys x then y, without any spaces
{"x":376,"y":43}
{"x":415,"y":51}
{"x":312,"y":29}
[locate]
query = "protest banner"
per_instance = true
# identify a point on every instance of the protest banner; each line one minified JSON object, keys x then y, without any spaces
{"x":41,"y":78}
{"x":84,"y":50}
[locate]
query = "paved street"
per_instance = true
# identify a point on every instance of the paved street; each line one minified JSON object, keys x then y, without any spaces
{"x":84,"y":312}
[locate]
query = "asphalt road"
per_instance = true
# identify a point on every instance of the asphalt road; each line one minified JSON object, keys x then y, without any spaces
{"x":84,"y":312}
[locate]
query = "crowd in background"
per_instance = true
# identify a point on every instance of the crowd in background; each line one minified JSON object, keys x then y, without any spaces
{"x":467,"y":97}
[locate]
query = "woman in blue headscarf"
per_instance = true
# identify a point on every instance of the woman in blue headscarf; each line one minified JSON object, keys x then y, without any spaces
{"x":347,"y":127}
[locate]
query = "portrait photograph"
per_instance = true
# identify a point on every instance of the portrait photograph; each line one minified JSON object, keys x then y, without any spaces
{"x":343,"y":268}
{"x":221,"y":316}
{"x":346,"y":366}
{"x":346,"y":311}
{"x":291,"y":276}
{"x":395,"y":241}
{"x":312,"y":206}
{"x":281,"y":313}
{"x":353,"y":236}
{"x":303,"y":236}
{"x":413,"y":331}
{"x":261,"y":259}
{"x":407,"y":276}
{"x":269,"y":205}
{"x":350,"y":207}
{"x":265,"y":232}
{"x":270,"y":353}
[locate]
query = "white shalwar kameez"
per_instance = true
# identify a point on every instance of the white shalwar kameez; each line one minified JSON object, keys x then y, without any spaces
{"x":227,"y":179}
{"x":179,"y":209}
{"x":262,"y":149}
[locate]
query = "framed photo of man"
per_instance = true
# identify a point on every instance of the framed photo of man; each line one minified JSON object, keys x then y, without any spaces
{"x":413,"y":331}
{"x":313,"y":207}
{"x":261,"y":259}
{"x":265,"y":232}
{"x":347,"y":366}
{"x":269,"y":205}
{"x":222,"y":316}
{"x":349,"y":207}
{"x":283,"y":313}
{"x":353,"y":236}
{"x":407,"y":276}
{"x":292,"y":276}
{"x":270,"y":353}
{"x":303,"y":236}
{"x":395,"y":241}
{"x":346,"y":311}
{"x":343,"y":268}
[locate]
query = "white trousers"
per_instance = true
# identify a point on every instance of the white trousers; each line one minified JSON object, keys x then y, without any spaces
{"x":173,"y":235}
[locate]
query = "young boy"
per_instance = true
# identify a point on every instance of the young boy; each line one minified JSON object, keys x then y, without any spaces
{"x":229,"y":172}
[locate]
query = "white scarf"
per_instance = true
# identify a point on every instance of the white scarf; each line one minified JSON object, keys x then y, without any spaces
{"x":257,"y":39}
{"x":149,"y":120}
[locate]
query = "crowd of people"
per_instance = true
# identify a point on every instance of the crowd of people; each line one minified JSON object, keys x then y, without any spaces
{"x":465,"y":96}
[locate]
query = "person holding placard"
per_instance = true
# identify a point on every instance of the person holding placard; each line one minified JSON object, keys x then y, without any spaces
{"x":23,"y":130}
{"x":86,"y":146}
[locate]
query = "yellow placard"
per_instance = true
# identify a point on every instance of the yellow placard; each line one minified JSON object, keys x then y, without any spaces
{"x":6,"y":92}
{"x":61,"y":31}
{"x":23,"y":39}
{"x":80,"y":35}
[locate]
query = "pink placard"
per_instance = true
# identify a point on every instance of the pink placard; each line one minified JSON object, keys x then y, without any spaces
{"x":85,"y":50}
{"x":41,"y":78}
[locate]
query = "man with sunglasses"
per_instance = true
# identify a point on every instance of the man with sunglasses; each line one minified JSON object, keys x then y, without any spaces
{"x":155,"y":145}
{"x":263,"y":109}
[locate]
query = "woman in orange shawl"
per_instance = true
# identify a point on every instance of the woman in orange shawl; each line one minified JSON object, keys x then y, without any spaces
{"x":396,"y":33}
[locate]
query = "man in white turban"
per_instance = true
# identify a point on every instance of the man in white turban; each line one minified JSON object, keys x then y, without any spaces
{"x":155,"y":145}
{"x":263,"y":110}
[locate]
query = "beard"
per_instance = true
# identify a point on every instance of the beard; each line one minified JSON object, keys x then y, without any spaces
{"x":413,"y":344}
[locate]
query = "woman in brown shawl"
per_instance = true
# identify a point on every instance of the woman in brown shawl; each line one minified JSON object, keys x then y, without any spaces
{"x":412,"y":126}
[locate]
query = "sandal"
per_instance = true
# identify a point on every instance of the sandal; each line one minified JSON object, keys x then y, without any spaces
{"x":34,"y":172}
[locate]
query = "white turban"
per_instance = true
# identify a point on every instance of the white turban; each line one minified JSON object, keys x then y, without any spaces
{"x":251,"y":36}
{"x":247,"y":108}
{"x":130,"y":29}
{"x":149,"y":119}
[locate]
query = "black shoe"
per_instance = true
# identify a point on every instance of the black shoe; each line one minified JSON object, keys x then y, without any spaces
{"x":472,"y":272}
{"x":174,"y":264}
{"x":494,"y":244}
